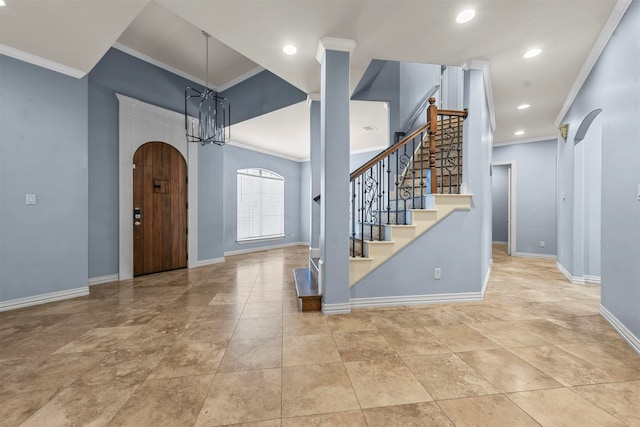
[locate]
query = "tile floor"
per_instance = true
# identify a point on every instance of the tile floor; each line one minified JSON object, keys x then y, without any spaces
{"x":225,"y":345}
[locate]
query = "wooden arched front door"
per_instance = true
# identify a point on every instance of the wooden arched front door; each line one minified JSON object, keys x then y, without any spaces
{"x":159,"y":209}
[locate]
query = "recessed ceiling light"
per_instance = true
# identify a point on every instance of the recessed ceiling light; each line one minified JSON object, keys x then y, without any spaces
{"x":519,"y":132}
{"x":2,"y":3}
{"x":531,"y":53}
{"x":523,"y":106}
{"x":465,"y":16}
{"x":289,"y":49}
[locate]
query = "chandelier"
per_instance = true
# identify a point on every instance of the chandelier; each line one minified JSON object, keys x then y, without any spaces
{"x":212,"y":123}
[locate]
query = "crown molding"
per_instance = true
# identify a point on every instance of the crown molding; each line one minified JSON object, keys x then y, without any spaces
{"x":526,"y":141}
{"x":610,"y":26}
{"x":240,"y":78}
{"x":250,"y":147}
{"x":331,"y":43}
{"x":40,"y":62}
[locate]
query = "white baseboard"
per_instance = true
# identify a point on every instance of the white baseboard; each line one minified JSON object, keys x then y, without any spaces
{"x":415,"y":300}
{"x":498,"y":242}
{"x":336,"y":308}
{"x":43,"y":298}
{"x":314,"y":252}
{"x":103,"y":279}
{"x":532,"y":255}
{"x":264,"y":248}
{"x":626,"y":334}
{"x":573,"y":279}
{"x":486,"y":281}
{"x":592,"y":279}
{"x":203,"y":262}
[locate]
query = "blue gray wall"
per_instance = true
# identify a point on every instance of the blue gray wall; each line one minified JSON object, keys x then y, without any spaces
{"x":239,"y":158}
{"x":402,"y":85}
{"x":535,"y":189}
{"x":466,"y":235}
{"x":614,"y":86}
{"x":118,"y":72}
{"x":43,"y":151}
{"x":500,"y":203}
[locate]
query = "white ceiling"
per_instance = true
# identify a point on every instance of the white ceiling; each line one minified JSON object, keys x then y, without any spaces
{"x":293,"y":142}
{"x":249,"y":34}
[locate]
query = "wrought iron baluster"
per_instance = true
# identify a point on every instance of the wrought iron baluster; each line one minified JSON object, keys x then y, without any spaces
{"x":353,"y":218}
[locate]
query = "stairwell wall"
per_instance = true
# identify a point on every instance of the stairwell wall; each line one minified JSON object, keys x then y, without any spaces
{"x":461,"y":244}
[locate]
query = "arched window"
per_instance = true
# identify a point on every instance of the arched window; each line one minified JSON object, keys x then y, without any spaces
{"x":260,"y":204}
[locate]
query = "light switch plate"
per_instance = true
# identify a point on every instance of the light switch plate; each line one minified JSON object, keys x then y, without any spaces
{"x":31,"y":199}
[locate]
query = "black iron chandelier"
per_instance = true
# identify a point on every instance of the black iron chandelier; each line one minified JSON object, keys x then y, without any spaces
{"x":211,"y":126}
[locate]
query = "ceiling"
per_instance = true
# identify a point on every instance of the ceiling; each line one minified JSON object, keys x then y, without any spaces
{"x":247,"y":36}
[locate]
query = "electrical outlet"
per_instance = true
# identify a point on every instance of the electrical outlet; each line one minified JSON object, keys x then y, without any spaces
{"x":31,"y":199}
{"x":437,"y":273}
{"x":542,"y":244}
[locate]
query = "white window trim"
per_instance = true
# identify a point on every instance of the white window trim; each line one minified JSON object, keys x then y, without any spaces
{"x":263,"y":174}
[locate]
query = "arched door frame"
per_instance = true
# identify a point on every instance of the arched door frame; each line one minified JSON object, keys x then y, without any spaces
{"x":140,"y":123}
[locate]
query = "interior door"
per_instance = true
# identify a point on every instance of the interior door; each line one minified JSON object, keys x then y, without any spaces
{"x":509,"y":195}
{"x":160,"y":209}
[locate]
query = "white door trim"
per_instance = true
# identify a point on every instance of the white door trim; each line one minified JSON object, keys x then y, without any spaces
{"x":140,"y":123}
{"x":512,"y":197}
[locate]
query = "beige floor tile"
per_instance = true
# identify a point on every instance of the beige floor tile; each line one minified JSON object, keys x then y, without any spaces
{"x":40,"y":343}
{"x":220,"y":312}
{"x":621,"y":400}
{"x":209,"y":331}
{"x":385,"y":382}
{"x":562,"y":407}
{"x":165,"y":402}
{"x":157,"y":333}
{"x":461,"y":338}
{"x":486,"y":411}
{"x":352,"y":322}
{"x":551,"y":332}
{"x":260,"y":327}
{"x":391,"y":319}
{"x":594,"y":327}
{"x":83,"y":406}
{"x":427,"y":414}
{"x":269,"y":423}
{"x":306,"y":324}
{"x":309,"y":350}
{"x":363,"y":345}
{"x":316,"y":389}
{"x":241,"y":397}
{"x":507,"y":335}
{"x":260,"y":295}
{"x":446,"y":376}
{"x":124,"y":365}
{"x":433,"y":316}
{"x":564,"y":367}
{"x":620,"y":361}
{"x":348,"y":418}
{"x":243,"y":355}
{"x":229,"y":298}
{"x":474,"y":313}
{"x":413,"y":342}
{"x":507,"y":372}
{"x":265,"y":309}
{"x":190,"y":359}
{"x":57,"y":371}
{"x":15,"y":408}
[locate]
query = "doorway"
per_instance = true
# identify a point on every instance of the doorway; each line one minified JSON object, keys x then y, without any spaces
{"x":160,"y":209}
{"x":139,"y":122}
{"x":503,"y":190}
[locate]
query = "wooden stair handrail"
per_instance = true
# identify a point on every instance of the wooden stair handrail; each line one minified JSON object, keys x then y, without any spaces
{"x":395,"y":147}
{"x":432,"y":115}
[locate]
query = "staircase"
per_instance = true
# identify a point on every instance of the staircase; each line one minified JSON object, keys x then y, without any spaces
{"x":406,"y":190}
{"x":397,"y":196}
